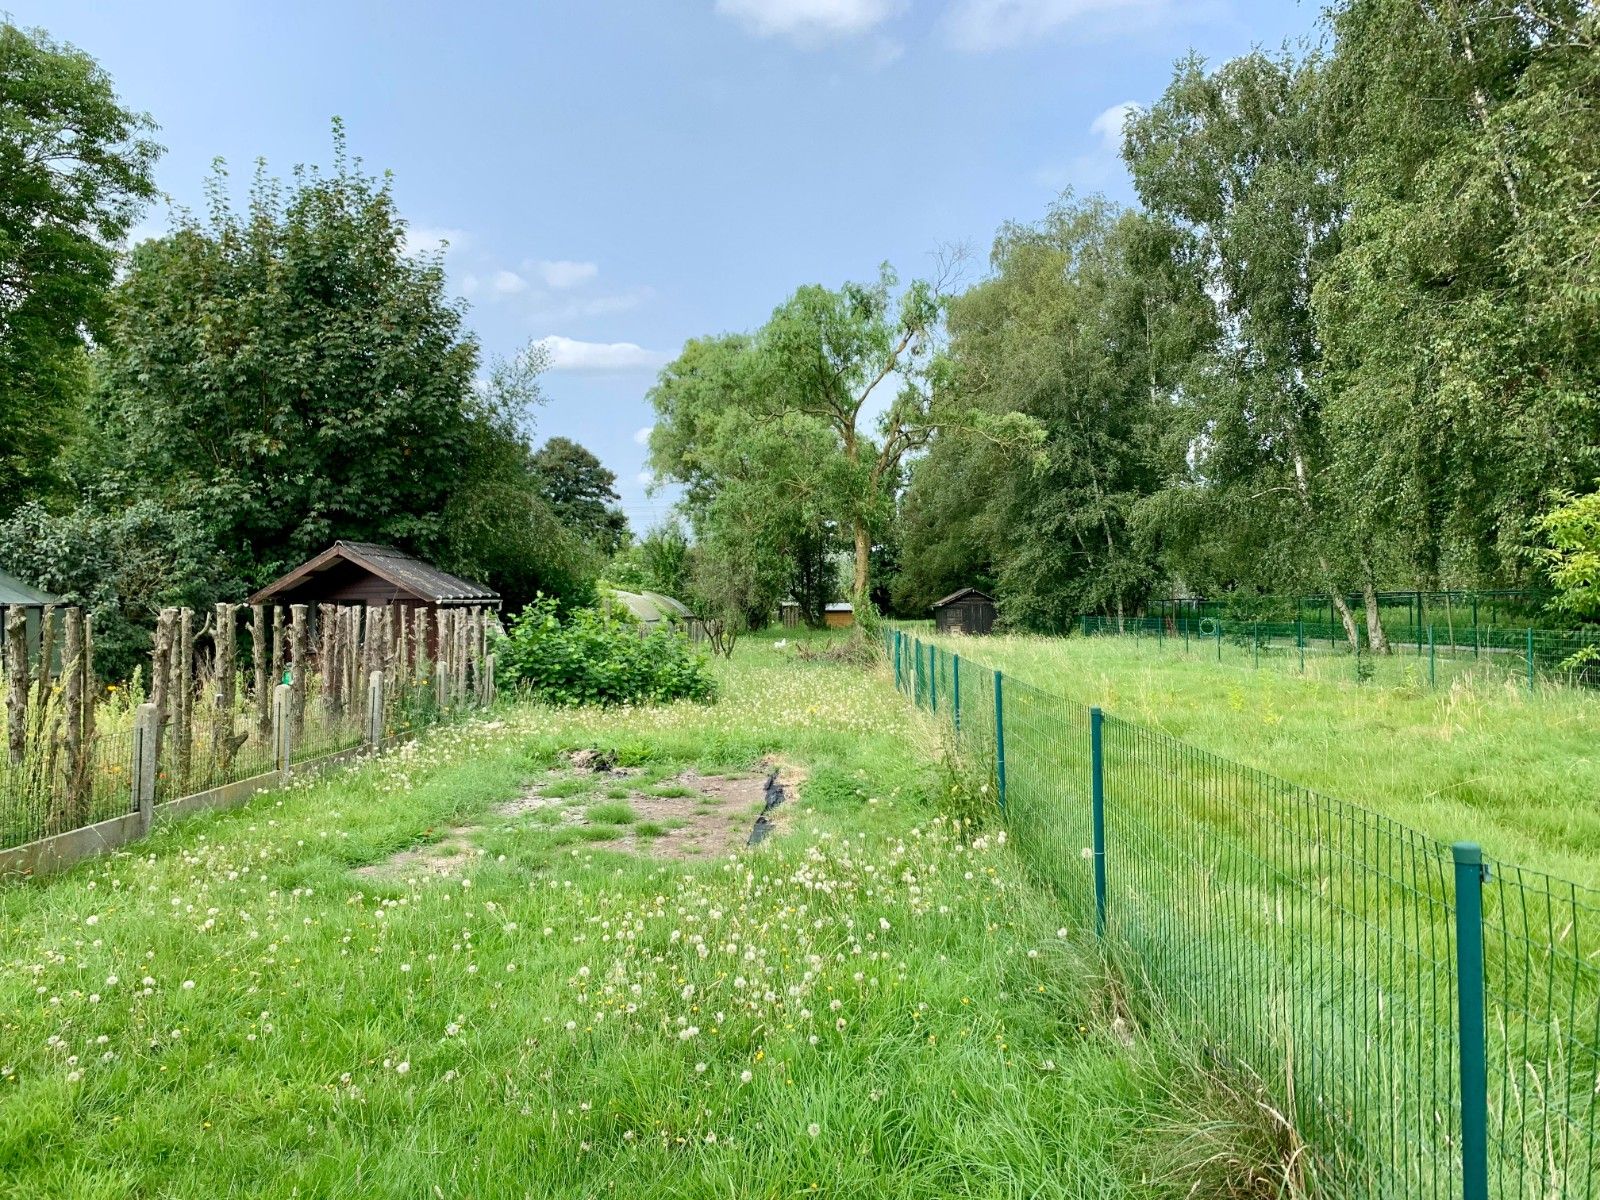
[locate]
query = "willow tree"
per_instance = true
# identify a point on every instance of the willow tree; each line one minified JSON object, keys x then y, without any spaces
{"x":1236,"y":160}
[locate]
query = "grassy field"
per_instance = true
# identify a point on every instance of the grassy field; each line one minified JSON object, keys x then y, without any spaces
{"x":1479,"y":760}
{"x":469,"y":970}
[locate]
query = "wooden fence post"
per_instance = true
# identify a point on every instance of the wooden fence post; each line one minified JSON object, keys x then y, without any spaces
{"x":183,"y":695}
{"x":375,"y":709}
{"x":441,"y":660}
{"x":299,"y":659}
{"x":17,"y":681}
{"x":282,"y":729}
{"x":146,"y":753}
{"x":259,"y":657}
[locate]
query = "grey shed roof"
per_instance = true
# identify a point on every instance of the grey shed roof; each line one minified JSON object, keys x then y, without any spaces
{"x":406,"y":572}
{"x":962,"y":595}
{"x":14,"y":591}
{"x":651,"y":608}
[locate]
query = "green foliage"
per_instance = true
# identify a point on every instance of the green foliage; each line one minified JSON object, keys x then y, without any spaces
{"x":581,"y":493}
{"x":123,"y":564}
{"x":1081,"y":332}
{"x":589,"y":657}
{"x":1572,"y":560}
{"x":75,"y":173}
{"x":658,"y":562}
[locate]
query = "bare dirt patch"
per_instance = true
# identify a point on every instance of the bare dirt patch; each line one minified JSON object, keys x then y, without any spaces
{"x":714,"y":819}
{"x":452,"y":854}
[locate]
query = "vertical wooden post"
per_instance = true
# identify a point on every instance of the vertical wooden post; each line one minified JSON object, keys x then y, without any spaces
{"x":73,"y":806}
{"x":326,"y":635}
{"x":224,"y":688}
{"x":299,"y":655}
{"x":146,"y":753}
{"x":259,"y":658}
{"x":161,"y":673}
{"x":17,"y":682}
{"x":283,"y":729}
{"x":375,"y":709}
{"x":183,"y":698}
{"x":441,"y":660}
{"x":277,"y":644}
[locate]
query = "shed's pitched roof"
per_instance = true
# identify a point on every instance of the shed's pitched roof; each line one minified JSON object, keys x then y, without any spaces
{"x":14,"y":591}
{"x":962,"y":595}
{"x":405,"y":571}
{"x":651,"y":608}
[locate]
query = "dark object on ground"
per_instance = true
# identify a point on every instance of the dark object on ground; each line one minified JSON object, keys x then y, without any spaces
{"x":598,"y":761}
{"x":854,"y":651}
{"x":774,"y":794}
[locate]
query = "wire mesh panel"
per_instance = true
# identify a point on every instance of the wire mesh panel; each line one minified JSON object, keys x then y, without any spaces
{"x":1304,"y":938}
{"x":1542,"y":987}
{"x":40,"y":798}
{"x":1312,"y":943}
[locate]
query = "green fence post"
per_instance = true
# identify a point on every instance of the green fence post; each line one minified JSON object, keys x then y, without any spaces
{"x":955,"y":687}
{"x":1219,"y":639}
{"x":1255,"y":642}
{"x":1530,"y":658}
{"x":894,"y":644}
{"x":1300,"y":641}
{"x":933,"y":677}
{"x":1097,"y":792}
{"x":1433,"y":679}
{"x":1470,"y":1038}
{"x":999,"y":744}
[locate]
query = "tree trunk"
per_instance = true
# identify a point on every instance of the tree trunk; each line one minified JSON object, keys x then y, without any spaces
{"x":17,"y":681}
{"x":858,"y":586}
{"x":258,"y":657}
{"x":1375,"y":635}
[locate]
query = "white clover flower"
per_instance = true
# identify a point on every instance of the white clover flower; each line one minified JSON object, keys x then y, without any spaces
{"x":403,"y":1068}
{"x":814,"y":1130}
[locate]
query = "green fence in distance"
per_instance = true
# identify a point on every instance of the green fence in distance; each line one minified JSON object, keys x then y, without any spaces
{"x":1427,"y":1017}
{"x":1425,"y":656}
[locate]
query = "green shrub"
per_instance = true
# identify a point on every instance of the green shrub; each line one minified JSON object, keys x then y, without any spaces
{"x":590,"y":657}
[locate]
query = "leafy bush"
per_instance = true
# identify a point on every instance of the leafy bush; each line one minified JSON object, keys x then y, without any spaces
{"x":591,"y":657}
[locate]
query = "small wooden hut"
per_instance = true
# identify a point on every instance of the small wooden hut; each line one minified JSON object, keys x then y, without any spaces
{"x":365,"y":573}
{"x":966,"y":611}
{"x":15,"y":593}
{"x":841,"y":615}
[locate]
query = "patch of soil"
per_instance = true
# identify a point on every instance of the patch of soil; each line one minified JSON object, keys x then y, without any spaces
{"x":530,"y":802}
{"x":715,"y":820}
{"x":450,"y":855}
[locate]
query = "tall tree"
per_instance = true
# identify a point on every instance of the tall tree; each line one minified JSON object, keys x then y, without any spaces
{"x":1087,"y":329}
{"x":75,"y":173}
{"x":581,"y":492}
{"x":1462,"y":317}
{"x":1236,"y":160}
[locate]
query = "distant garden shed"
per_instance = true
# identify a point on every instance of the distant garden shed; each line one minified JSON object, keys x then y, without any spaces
{"x":966,"y":611}
{"x":650,"y":609}
{"x":365,"y":573}
{"x":16,"y":594}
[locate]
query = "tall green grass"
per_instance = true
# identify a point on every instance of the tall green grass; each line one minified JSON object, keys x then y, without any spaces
{"x":876,"y":1002}
{"x":1480,"y":760}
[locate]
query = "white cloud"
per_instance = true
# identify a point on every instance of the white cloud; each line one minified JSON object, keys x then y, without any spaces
{"x":641,"y":437}
{"x":810,"y":22}
{"x":1108,"y":125}
{"x":569,"y":354}
{"x":548,"y":308}
{"x":428,"y":239}
{"x":980,"y":25}
{"x":508,"y":283}
{"x":564,"y":274}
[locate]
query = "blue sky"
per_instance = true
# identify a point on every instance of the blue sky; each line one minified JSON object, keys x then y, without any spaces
{"x":619,"y":177}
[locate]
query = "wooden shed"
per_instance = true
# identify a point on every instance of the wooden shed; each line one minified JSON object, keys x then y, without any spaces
{"x":365,"y":573}
{"x":966,"y":611}
{"x":32,"y":601}
{"x":839,"y":616}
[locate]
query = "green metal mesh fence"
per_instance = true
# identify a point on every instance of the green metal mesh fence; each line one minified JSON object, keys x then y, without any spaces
{"x":1430,"y":655}
{"x":1428,"y":1019}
